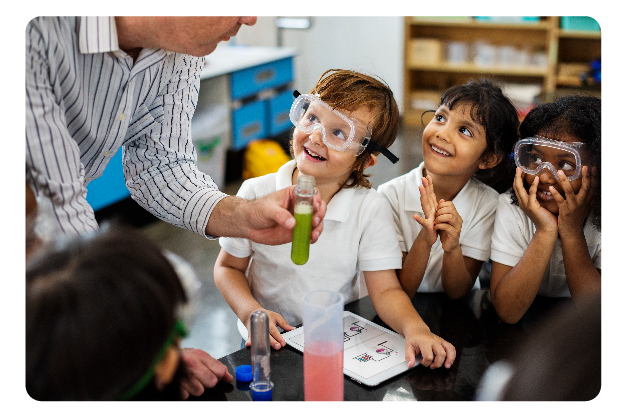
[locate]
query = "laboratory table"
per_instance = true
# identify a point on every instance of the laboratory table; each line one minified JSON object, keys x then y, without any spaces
{"x":470,"y":324}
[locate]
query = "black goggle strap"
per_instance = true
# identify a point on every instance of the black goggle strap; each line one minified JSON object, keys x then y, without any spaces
{"x":375,"y":147}
{"x":370,"y":146}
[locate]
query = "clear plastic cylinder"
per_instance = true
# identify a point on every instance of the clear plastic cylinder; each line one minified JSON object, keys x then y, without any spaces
{"x":261,"y":385}
{"x":322,"y":320}
{"x":303,"y":213}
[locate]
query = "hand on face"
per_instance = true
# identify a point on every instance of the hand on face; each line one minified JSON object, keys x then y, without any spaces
{"x":575,"y":207}
{"x":540,"y":216}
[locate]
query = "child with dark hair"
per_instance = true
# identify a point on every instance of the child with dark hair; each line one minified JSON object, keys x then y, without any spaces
{"x":342,"y":126}
{"x":547,"y":238}
{"x":445,"y":208}
{"x":103,"y":320}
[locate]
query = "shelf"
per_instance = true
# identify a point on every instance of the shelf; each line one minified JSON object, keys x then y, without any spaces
{"x":476,"y":69}
{"x":579,"y":34}
{"x":474,"y":24}
{"x":556,"y":55}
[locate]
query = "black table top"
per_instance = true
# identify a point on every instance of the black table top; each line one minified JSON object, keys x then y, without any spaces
{"x":470,"y":324}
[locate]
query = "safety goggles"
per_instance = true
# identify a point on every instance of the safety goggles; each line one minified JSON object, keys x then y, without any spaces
{"x":339,"y":131}
{"x":536,"y":153}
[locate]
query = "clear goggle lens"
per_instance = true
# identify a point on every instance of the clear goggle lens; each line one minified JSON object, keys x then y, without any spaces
{"x":339,"y":132}
{"x":533,"y":155}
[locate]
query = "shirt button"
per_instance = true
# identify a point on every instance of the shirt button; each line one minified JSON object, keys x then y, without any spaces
{"x":106,"y":153}
{"x":121,"y":116}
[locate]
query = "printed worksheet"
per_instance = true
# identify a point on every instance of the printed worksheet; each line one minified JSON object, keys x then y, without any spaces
{"x":368,"y":350}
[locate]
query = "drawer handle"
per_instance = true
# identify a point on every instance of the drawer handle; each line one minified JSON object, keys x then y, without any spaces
{"x":281,"y":118}
{"x":251,"y":129}
{"x":265,"y":75}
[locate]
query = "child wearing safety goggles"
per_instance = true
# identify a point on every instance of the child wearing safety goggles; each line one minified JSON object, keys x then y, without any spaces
{"x":341,"y":128}
{"x":547,"y":238}
{"x":105,"y":314}
{"x":445,"y":208}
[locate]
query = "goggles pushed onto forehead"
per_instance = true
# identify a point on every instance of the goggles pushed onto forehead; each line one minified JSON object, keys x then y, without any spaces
{"x":536,"y":153}
{"x":339,"y":131}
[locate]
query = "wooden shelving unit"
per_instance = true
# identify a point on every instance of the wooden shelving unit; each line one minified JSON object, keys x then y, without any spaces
{"x":554,"y":57}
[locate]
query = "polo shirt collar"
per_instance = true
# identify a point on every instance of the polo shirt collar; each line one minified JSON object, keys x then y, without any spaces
{"x":462,"y":201}
{"x":339,"y":207}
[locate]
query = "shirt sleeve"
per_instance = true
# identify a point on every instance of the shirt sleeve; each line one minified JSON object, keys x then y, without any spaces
{"x":379,"y":248}
{"x":511,"y":234}
{"x":53,"y":166}
{"x":476,"y":243}
{"x":160,"y":166}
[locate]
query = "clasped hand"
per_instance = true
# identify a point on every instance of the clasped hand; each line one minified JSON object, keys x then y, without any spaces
{"x":441,"y":218}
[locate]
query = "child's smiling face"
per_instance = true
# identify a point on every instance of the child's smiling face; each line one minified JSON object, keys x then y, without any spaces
{"x":547,"y":179}
{"x":453,"y":143}
{"x":327,"y":165}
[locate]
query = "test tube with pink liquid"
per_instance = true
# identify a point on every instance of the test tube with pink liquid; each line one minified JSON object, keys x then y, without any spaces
{"x":322,"y":319}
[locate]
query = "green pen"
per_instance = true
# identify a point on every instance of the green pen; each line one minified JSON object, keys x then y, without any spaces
{"x":303,"y":213}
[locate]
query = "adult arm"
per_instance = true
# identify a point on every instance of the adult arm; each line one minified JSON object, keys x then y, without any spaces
{"x":53,"y":163}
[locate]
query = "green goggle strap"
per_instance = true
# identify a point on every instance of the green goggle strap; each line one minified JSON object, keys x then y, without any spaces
{"x":179,"y":330}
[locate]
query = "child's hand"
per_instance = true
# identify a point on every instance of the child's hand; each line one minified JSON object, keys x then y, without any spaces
{"x":574,"y":208}
{"x":541,"y":217}
{"x":275,"y":321}
{"x":435,"y":351}
{"x":429,"y":207}
{"x":448,"y":223}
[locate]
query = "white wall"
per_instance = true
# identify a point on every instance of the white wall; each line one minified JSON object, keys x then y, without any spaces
{"x":369,"y":44}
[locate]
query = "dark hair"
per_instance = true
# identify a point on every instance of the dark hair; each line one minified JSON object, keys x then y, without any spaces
{"x":349,"y":90}
{"x":495,"y":112}
{"x":98,"y":310}
{"x":578,"y":116}
{"x":560,"y":361}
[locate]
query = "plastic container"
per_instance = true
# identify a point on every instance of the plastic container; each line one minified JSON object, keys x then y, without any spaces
{"x":322,"y":319}
{"x":579,"y":23}
{"x":261,"y":385}
{"x":303,"y":213}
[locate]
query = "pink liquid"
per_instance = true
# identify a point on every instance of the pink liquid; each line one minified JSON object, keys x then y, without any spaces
{"x":323,"y":372}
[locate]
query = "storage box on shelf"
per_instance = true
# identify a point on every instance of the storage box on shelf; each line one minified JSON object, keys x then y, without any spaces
{"x":520,"y":50}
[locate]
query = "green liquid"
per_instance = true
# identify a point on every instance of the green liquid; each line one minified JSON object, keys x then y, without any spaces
{"x":301,"y":239}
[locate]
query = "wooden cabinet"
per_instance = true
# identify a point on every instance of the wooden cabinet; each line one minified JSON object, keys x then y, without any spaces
{"x":442,"y":52}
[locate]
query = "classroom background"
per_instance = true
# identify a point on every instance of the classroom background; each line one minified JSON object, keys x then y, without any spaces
{"x":241,"y":126}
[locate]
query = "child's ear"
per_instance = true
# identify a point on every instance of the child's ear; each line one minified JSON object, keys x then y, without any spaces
{"x":371,"y":161}
{"x":489,"y":161}
{"x":164,"y":370}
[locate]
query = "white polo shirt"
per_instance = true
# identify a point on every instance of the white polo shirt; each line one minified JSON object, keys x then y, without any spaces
{"x":358,"y":236}
{"x":512,"y":233}
{"x":475,"y":203}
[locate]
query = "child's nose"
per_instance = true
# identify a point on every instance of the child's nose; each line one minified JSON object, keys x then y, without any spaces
{"x":546,"y":176}
{"x":316,"y":137}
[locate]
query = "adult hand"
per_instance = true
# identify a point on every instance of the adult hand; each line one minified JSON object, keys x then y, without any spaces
{"x":270,"y":220}
{"x":541,"y":217}
{"x":204,"y":372}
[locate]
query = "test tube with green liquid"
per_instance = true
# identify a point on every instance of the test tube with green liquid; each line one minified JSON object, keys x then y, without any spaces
{"x":303,"y":213}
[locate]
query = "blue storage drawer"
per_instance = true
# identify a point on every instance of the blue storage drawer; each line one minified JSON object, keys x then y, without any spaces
{"x":278,"y":113}
{"x":249,"y":122}
{"x":250,"y":81}
{"x":110,"y":187}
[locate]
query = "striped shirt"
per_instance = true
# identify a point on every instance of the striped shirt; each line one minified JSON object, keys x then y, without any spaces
{"x":85,"y":98}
